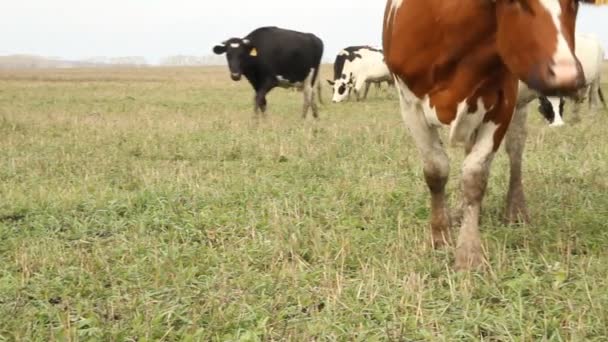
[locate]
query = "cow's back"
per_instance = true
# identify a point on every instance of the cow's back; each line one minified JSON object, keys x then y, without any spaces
{"x":288,"y":53}
{"x":372,"y":65}
{"x":345,"y":56}
{"x":591,"y":55}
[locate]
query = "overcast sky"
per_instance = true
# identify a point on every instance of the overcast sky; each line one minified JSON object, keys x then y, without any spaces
{"x":77,"y":29}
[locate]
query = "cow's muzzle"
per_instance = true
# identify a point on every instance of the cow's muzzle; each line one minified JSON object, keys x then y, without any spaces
{"x":235,"y":77}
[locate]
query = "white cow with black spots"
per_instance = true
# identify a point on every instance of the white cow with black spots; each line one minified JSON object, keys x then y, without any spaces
{"x":356,"y":67}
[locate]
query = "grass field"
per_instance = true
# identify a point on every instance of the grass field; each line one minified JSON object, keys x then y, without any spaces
{"x":146,"y":204}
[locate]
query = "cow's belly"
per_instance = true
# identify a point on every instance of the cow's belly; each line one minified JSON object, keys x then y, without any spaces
{"x":295,"y":81}
{"x":285,"y":83}
{"x":376,"y":74}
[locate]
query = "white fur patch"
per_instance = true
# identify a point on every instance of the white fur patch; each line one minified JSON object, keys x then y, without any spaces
{"x":557,"y":115}
{"x":425,"y":136}
{"x":235,"y":45}
{"x":463,"y":125}
{"x":285,"y":83}
{"x":562,"y":51}
{"x":395,"y":5}
{"x":465,"y":122}
{"x":482,"y":150}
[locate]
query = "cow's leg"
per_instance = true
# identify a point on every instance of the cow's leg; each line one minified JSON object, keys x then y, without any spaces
{"x":358,"y":87}
{"x":475,"y":172}
{"x":578,"y":101}
{"x":256,"y":108}
{"x":576,"y":110}
{"x":593,"y":94}
{"x":260,"y":101}
{"x":309,"y":102}
{"x":260,"y":97}
{"x":516,"y":209}
{"x":436,"y":166}
{"x":459,"y":210}
{"x":309,"y":95}
{"x":367,"y":85}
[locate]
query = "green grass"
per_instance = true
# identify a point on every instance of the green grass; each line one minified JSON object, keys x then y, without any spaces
{"x":148,"y":205}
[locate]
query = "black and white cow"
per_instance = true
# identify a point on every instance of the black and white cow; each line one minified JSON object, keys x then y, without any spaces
{"x":272,"y":57}
{"x":552,"y":108}
{"x":591,"y":55}
{"x":355,"y":67}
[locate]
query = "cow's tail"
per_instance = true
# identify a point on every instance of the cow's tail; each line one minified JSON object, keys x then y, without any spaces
{"x":601,"y":95}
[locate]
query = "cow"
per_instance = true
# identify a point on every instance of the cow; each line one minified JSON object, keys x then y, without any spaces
{"x":457,"y":64}
{"x":272,"y":57}
{"x":591,"y":54}
{"x":355,"y":67}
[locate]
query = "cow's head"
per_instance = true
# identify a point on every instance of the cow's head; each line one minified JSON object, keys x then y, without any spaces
{"x":237,"y":52}
{"x":342,"y":87}
{"x":552,"y":109}
{"x":535,"y":39}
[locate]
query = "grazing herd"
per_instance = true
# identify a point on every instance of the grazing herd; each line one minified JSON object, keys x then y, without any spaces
{"x":470,"y":66}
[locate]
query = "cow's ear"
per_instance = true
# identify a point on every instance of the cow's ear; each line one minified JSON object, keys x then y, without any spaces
{"x":331,"y":83}
{"x":219,"y":49}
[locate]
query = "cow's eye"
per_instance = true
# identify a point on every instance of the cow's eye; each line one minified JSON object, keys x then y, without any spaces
{"x":342,"y":89}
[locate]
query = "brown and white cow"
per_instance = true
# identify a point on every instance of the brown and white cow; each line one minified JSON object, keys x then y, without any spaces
{"x":457,"y":64}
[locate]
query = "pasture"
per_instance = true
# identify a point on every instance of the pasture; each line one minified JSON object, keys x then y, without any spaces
{"x":147,"y":204}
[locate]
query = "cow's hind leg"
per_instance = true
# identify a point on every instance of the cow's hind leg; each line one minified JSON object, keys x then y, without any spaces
{"x":309,"y":91}
{"x":436,"y":165}
{"x":516,"y":209}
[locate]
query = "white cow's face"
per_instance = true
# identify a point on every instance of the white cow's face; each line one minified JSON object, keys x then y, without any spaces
{"x":552,"y":108}
{"x":342,"y":87}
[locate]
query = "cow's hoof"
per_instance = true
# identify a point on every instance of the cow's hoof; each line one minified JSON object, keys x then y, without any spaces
{"x":440,"y":241}
{"x":441,"y":229}
{"x":469,"y":257}
{"x":456,"y":215}
{"x":516,"y":213}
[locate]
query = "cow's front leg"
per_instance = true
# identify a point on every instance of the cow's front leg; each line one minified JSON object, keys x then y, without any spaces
{"x":260,"y":103}
{"x":436,"y":166}
{"x":516,"y":209}
{"x":256,"y":108}
{"x":358,"y":86}
{"x":260,"y":98}
{"x":367,"y":86}
{"x":475,"y":172}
